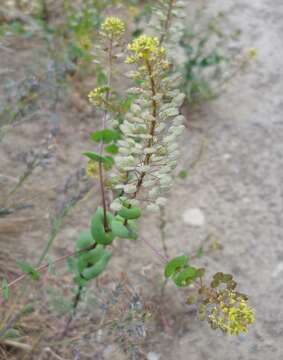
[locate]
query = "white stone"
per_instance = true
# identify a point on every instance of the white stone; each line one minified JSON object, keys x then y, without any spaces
{"x":227,"y":156}
{"x":278,"y":270}
{"x":194,"y":217}
{"x":153,"y":356}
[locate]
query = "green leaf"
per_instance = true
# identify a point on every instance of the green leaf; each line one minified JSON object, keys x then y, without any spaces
{"x":200,"y":252}
{"x":80,"y":281}
{"x":94,"y":255}
{"x":119,"y":229}
{"x":84,"y":241}
{"x":106,"y":136}
{"x":185,"y":277}
{"x":176,"y":265}
{"x":75,"y":52}
{"x":212,"y":59}
{"x":108,"y":162}
{"x":12,"y":334}
{"x":133,"y":229}
{"x":98,"y":268}
{"x":94,"y":156}
{"x":81,"y":265}
{"x":101,"y":78}
{"x":183,"y":174}
{"x":28,"y":269}
{"x":27,"y":310}
{"x":127,"y":102}
{"x":112,"y":149}
{"x":98,"y":231}
{"x":72,"y":264}
{"x":130,"y":213}
{"x":5,"y":289}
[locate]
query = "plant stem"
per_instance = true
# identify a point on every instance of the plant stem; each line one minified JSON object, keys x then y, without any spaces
{"x":45,"y":266}
{"x":167,"y":21}
{"x":76,"y":302}
{"x":157,"y":252}
{"x":56,"y":226}
{"x":146,"y":160}
{"x":104,"y":121}
{"x":44,"y":13}
{"x":105,"y":222}
{"x":162,"y":232}
{"x":164,"y":245}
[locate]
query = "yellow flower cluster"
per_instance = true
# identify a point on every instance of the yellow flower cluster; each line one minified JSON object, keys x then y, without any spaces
{"x":232,"y":315}
{"x":145,"y":48}
{"x":92,"y":168}
{"x":252,"y":54}
{"x":113,"y":27}
{"x":97,"y":95}
{"x":85,"y":43}
{"x":133,"y":11}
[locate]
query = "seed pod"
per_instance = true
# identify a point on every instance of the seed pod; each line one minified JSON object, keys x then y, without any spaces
{"x":200,"y":272}
{"x":202,"y":312}
{"x":192,"y":299}
{"x":218,"y":276}
{"x":214,"y":284}
{"x":227,"y":278}
{"x":97,"y":228}
{"x":231,"y":285}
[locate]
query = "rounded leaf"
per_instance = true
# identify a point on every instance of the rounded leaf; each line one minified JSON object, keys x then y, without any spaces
{"x":130,"y":213}
{"x":186,"y":277}
{"x":97,"y":269}
{"x":176,"y":265}
{"x":97,"y":228}
{"x":84,"y":241}
{"x":119,"y":229}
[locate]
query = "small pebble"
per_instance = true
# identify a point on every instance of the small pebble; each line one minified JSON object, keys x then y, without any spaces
{"x":278,"y":270}
{"x":194,"y":217}
{"x":153,"y":356}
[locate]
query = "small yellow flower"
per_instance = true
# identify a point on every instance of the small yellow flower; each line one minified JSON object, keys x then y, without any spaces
{"x":133,"y":11}
{"x":145,"y":48}
{"x":232,"y":314}
{"x":252,"y":54}
{"x":92,"y":168}
{"x":85,"y":43}
{"x":97,"y":95}
{"x":113,"y":27}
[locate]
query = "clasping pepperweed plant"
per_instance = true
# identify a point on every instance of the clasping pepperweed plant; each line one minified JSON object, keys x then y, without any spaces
{"x":136,"y":155}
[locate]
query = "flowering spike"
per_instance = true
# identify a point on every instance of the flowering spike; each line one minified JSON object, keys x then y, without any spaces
{"x":113,"y":27}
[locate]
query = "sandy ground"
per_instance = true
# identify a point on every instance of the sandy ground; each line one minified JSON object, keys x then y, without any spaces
{"x":236,"y":184}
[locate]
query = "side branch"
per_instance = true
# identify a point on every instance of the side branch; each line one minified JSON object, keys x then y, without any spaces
{"x":44,"y":267}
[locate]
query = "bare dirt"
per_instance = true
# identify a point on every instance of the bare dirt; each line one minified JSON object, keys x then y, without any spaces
{"x":236,"y":184}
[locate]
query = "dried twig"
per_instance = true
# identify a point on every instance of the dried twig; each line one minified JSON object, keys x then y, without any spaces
{"x":16,"y":344}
